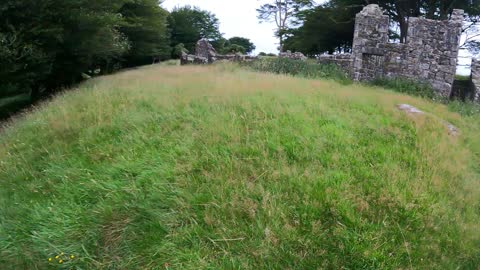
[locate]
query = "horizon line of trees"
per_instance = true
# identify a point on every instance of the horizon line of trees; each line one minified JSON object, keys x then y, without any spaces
{"x":46,"y":45}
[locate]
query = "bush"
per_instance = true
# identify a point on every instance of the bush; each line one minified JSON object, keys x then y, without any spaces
{"x":300,"y":68}
{"x":407,"y":86}
{"x":465,"y":108}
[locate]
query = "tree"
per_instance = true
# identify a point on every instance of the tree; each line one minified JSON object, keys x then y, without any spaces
{"x":243,"y":42}
{"x":178,"y":50}
{"x":145,"y":28}
{"x":53,"y":41}
{"x":400,"y":11}
{"x":234,"y":48}
{"x":326,"y":28}
{"x":50,"y":44}
{"x":190,"y":24}
{"x":284,"y":13}
{"x":329,"y":27}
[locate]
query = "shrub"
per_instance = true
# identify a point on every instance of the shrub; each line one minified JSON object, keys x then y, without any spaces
{"x":300,"y":68}
{"x":407,"y":86}
{"x":465,"y":108}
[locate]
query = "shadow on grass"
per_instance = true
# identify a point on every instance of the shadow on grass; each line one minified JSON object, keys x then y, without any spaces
{"x":10,"y":106}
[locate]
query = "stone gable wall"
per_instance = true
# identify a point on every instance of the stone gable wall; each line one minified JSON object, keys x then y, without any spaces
{"x":371,"y":32}
{"x":429,"y":55}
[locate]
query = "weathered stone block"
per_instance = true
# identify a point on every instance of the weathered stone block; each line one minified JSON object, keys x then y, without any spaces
{"x":476,"y":79}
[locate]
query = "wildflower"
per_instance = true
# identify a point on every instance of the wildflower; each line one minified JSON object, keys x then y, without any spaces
{"x":49,"y":259}
{"x":56,"y":257}
{"x":72,"y":257}
{"x":60,"y":262}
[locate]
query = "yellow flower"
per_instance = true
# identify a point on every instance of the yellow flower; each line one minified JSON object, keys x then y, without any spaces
{"x":61,"y":261}
{"x":49,"y":259}
{"x":61,"y":253}
{"x":72,"y":257}
{"x":56,"y":257}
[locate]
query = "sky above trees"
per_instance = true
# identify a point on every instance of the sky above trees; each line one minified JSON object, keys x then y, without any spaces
{"x":237,"y":18}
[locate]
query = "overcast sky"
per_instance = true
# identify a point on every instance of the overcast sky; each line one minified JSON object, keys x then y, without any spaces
{"x":237,"y":18}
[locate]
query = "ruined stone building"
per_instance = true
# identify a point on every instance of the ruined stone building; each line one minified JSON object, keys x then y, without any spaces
{"x":205,"y":53}
{"x":429,"y":54}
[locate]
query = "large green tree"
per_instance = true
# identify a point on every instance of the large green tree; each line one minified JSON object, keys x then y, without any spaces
{"x":49,"y":44}
{"x":52,"y":42}
{"x":145,"y":27}
{"x":329,"y":27}
{"x":326,"y":28}
{"x":285,"y":14}
{"x":189,"y":24}
{"x":244,"y":42}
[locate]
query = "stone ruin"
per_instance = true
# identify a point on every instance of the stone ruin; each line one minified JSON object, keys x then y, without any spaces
{"x":475,"y":79}
{"x":205,"y":53}
{"x":293,"y":56}
{"x":429,"y":54}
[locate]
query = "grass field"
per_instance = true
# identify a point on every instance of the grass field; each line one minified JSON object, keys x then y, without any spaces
{"x":170,"y":167}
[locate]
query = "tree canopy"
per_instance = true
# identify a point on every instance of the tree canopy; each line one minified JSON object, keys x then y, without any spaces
{"x":189,"y":24}
{"x":49,"y":44}
{"x":236,"y":42}
{"x":329,"y":27}
{"x":285,"y":14}
{"x":145,"y":27}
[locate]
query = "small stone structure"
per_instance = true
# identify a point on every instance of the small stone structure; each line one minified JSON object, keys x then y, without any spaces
{"x":293,"y":56}
{"x":205,"y":53}
{"x":205,"y":49}
{"x":429,"y":54}
{"x":476,"y":79}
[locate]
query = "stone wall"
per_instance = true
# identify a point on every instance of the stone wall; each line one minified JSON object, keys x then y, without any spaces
{"x":343,"y":60}
{"x":476,"y":79}
{"x":205,"y":53}
{"x":293,"y":56}
{"x":371,"y":32}
{"x":432,"y":51}
{"x":429,"y":55}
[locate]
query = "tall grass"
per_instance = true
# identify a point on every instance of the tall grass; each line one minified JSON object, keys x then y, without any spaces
{"x":306,"y":69}
{"x":407,"y":86}
{"x":312,"y":70}
{"x":171,"y":167}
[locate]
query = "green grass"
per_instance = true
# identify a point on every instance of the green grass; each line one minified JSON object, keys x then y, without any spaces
{"x":169,"y":167}
{"x":462,"y":77}
{"x":407,"y":86}
{"x":306,"y":69}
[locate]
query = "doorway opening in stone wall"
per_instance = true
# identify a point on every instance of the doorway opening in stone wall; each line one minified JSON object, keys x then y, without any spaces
{"x":463,"y":87}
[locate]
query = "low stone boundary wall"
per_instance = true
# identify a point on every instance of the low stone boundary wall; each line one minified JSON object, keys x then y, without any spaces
{"x":343,"y":60}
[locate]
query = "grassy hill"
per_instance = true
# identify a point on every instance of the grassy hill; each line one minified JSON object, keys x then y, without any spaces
{"x":222,"y":168}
